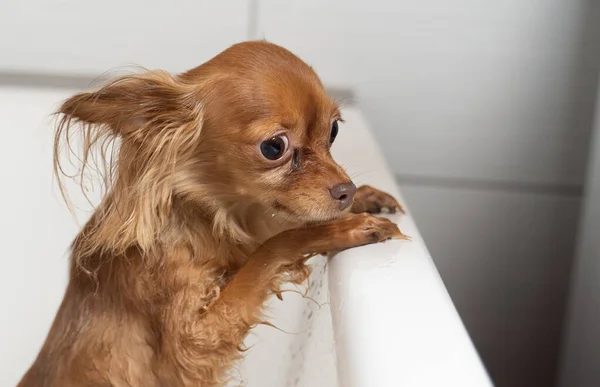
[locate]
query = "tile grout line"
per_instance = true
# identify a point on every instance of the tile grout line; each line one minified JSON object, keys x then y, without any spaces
{"x":253,"y":19}
{"x":78,"y":82}
{"x":46,"y":80}
{"x":555,"y":189}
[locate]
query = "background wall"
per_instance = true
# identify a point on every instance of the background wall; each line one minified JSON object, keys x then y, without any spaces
{"x":92,"y":37}
{"x":483,"y":109}
{"x":35,"y":228}
{"x":581,"y":354}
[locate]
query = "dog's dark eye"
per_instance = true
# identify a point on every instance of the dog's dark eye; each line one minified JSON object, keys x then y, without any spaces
{"x":274,"y":148}
{"x":334,"y":132}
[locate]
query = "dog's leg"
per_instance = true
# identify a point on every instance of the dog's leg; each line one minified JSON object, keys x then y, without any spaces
{"x":260,"y":275}
{"x":374,"y":201}
{"x":207,"y":346}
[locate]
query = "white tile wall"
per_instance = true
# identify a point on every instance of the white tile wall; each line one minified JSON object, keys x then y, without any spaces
{"x":92,"y":37}
{"x":581,"y":351}
{"x":505,"y":258}
{"x":471,"y":89}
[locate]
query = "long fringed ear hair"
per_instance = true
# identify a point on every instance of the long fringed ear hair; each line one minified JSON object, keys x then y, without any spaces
{"x":154,"y":123}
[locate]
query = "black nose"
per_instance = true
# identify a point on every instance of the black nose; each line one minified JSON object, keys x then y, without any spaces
{"x":343,"y":193}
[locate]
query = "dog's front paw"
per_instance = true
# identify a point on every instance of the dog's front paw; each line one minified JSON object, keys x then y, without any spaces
{"x":362,"y":229}
{"x":374,"y":201}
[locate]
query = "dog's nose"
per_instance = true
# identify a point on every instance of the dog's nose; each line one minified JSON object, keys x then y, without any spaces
{"x":344,"y":193}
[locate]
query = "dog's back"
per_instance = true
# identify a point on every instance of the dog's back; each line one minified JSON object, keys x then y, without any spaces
{"x":113,"y":351}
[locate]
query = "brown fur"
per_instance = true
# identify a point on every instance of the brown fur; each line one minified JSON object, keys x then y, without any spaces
{"x":172,"y":269}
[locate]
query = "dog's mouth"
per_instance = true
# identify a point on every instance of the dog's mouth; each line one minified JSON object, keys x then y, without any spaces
{"x":308,"y":217}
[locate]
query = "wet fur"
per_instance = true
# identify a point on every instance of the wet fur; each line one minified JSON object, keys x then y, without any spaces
{"x":171,"y":271}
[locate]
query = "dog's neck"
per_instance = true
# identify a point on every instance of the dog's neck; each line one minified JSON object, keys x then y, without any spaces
{"x":226,"y":237}
{"x":244,"y":222}
{"x":230,"y":231}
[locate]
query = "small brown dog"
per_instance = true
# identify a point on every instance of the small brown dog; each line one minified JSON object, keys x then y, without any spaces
{"x":172,"y":269}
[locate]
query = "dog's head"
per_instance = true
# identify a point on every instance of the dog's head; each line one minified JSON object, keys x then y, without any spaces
{"x":254,"y":125}
{"x":268,"y":129}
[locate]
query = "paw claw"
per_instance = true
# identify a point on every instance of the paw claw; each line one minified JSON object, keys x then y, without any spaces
{"x":371,"y":200}
{"x":364,"y":229}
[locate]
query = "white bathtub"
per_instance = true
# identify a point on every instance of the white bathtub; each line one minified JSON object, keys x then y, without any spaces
{"x":379,"y":316}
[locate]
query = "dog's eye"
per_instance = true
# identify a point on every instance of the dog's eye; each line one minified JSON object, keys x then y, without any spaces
{"x":334,"y":132}
{"x":274,"y":148}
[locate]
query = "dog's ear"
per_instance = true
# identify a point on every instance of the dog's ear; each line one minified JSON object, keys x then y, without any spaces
{"x":129,"y":104}
{"x":138,"y":131}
